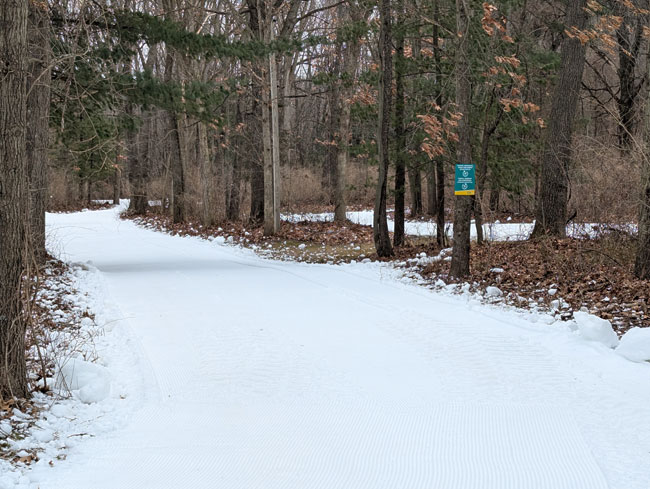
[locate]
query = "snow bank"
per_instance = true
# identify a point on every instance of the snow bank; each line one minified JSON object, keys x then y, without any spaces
{"x":593,"y":328}
{"x":635,"y":345}
{"x":88,"y":381}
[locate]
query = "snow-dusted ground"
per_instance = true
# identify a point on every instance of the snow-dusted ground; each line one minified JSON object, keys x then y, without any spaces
{"x":259,"y":375}
{"x":496,"y":231}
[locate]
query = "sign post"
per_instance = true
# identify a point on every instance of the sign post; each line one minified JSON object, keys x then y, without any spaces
{"x":465,"y":181}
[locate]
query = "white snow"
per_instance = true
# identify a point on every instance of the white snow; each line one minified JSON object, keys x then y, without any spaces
{"x":90,"y":382}
{"x":496,"y":231}
{"x":493,"y":291}
{"x":243,"y":373}
{"x":635,"y":345}
{"x":596,"y":329}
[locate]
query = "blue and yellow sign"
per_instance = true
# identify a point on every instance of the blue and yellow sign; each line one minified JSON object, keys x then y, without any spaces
{"x":465,"y":181}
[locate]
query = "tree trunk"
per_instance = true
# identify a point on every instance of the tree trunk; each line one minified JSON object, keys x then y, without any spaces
{"x":556,"y":156}
{"x":38,"y":113}
{"x":136,"y":167}
{"x":342,"y":149}
{"x":269,"y":228}
{"x":432,"y":196}
{"x":463,"y":207}
{"x":257,"y":166}
{"x":329,"y":175}
{"x":275,"y":140}
{"x":117,"y":185}
{"x":205,"y":167}
{"x":350,"y":65}
{"x":628,"y":55}
{"x":441,"y":235}
{"x":415,"y":184}
{"x":268,"y":162}
{"x":234,"y":196}
{"x":13,"y":196}
{"x":400,"y":132}
{"x":380,"y":223}
{"x":642,"y":262}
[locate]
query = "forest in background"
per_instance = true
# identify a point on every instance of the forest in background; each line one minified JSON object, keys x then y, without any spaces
{"x":224,"y":111}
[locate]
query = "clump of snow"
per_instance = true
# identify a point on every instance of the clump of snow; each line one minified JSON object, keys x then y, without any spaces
{"x":302,"y":246}
{"x":593,"y":328}
{"x":635,"y":345}
{"x":493,"y":292}
{"x":89,"y":381}
{"x":497,"y":270}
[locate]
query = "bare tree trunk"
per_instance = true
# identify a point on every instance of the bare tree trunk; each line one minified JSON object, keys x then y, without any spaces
{"x":275,"y":141}
{"x":400,"y":130}
{"x":117,"y":185}
{"x":207,"y":180}
{"x":441,"y":235}
{"x":463,"y":207}
{"x":136,"y":166}
{"x":234,"y":196}
{"x":38,"y":113}
{"x":329,"y":174}
{"x":628,"y":58}
{"x":257,"y":166}
{"x":350,"y":65}
{"x":342,"y":149}
{"x":642,"y":262}
{"x":269,"y":227}
{"x":13,"y":196}
{"x":415,"y":185}
{"x":556,"y":156}
{"x":432,"y":196}
{"x":380,"y":222}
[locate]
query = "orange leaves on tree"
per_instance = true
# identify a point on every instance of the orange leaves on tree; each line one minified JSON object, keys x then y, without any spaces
{"x":440,"y":130}
{"x":493,"y":24}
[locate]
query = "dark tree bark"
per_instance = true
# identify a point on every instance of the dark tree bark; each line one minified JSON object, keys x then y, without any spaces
{"x":380,"y":223}
{"x":441,"y":235}
{"x":117,"y":185}
{"x":463,"y":207}
{"x":556,"y":156}
{"x":629,"y":39}
{"x":234,"y":197}
{"x":257,"y":167}
{"x":415,"y":184}
{"x":136,"y":166}
{"x":13,"y":195}
{"x":329,"y":167}
{"x":400,"y":131}
{"x":350,"y":65}
{"x":178,"y":168}
{"x":432,"y":194}
{"x":439,"y":168}
{"x":38,"y":113}
{"x":642,"y":262}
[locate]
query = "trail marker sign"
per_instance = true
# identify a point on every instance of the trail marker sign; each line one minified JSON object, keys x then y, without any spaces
{"x":465,"y":181}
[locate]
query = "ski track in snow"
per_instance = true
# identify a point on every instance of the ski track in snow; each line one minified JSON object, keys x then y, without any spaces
{"x":268,"y":375}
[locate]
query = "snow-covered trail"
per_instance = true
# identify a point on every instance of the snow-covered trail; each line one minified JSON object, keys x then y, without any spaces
{"x":269,"y":375}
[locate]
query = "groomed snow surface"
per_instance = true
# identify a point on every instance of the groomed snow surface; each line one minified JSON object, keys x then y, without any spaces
{"x":243,"y":373}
